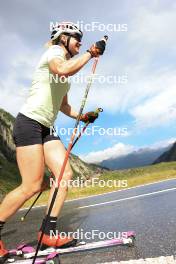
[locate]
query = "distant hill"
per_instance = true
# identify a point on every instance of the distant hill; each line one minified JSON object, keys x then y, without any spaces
{"x":169,"y":155}
{"x":9,"y":174}
{"x":7,"y":147}
{"x":139,"y":158}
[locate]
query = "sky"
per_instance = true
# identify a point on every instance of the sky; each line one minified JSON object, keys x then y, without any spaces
{"x":135,"y":78}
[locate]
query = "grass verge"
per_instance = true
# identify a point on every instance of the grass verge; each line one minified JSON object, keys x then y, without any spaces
{"x":122,"y":179}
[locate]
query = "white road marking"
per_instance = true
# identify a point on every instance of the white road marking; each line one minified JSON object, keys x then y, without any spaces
{"x":103,"y":194}
{"x":128,"y":198}
{"x":159,"y":260}
{"x":122,"y":190}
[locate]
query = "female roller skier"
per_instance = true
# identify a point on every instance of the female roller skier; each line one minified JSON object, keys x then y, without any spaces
{"x":35,"y":146}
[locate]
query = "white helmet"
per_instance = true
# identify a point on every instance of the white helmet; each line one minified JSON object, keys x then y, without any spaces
{"x":67,"y":28}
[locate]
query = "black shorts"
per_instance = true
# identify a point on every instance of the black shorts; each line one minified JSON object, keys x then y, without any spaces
{"x":27,"y":131}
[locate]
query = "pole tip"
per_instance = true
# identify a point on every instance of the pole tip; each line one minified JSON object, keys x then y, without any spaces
{"x":22,"y":218}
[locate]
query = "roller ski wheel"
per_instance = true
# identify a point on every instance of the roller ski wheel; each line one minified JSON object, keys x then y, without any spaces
{"x":53,"y":261}
{"x":131,"y":240}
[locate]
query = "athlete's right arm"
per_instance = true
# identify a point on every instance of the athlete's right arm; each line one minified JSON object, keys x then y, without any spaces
{"x":69,"y":67}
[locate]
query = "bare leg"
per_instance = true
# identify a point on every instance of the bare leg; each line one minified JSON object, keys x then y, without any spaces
{"x":30,"y":161}
{"x":54,"y":152}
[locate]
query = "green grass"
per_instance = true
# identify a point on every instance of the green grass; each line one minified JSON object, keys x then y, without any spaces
{"x":133,"y":177}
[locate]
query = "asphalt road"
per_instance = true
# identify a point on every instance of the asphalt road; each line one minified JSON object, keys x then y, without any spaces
{"x":148,"y":210}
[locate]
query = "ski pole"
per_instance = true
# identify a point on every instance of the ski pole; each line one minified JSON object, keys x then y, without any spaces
{"x":66,"y":156}
{"x":34,"y":202}
{"x":38,"y":196}
{"x":78,"y":137}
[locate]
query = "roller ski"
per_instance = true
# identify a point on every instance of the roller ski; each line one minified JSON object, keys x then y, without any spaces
{"x":82,"y":246}
{"x":50,"y":255}
{"x":17,"y":255}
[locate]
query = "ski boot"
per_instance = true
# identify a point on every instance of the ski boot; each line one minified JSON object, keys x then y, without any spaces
{"x":59,"y":242}
{"x":4,"y":254}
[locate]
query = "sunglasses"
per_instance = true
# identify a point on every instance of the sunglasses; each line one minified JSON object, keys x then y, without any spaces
{"x":77,"y":37}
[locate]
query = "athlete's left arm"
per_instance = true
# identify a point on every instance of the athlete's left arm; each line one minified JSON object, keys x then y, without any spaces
{"x":67,"y":109}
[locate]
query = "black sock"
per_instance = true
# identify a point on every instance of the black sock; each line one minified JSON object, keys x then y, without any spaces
{"x":50,"y":226}
{"x":1,"y":227}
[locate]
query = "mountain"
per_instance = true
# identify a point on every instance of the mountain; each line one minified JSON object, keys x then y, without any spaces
{"x":141,"y":157}
{"x":7,"y":147}
{"x":169,"y":155}
{"x":9,"y":174}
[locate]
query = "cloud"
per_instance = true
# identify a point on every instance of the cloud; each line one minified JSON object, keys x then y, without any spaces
{"x":17,"y":67}
{"x":113,"y":152}
{"x":148,"y":57}
{"x":154,"y":25}
{"x":142,"y":53}
{"x":121,"y":149}
{"x":162,"y":143}
{"x":157,"y":111}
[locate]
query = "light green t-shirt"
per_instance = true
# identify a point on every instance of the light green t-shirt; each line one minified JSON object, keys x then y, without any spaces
{"x":47,"y":90}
